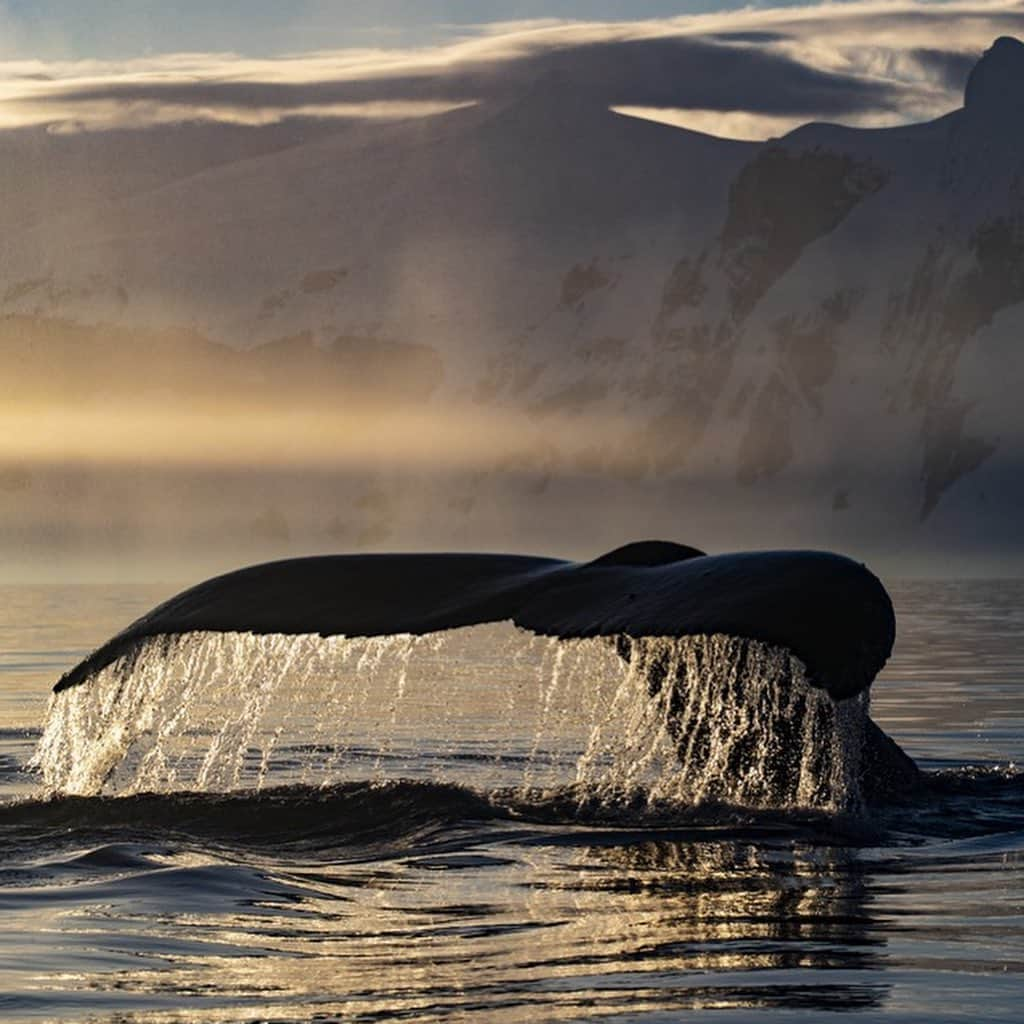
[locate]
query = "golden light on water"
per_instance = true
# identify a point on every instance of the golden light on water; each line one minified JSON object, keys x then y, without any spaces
{"x":668,"y":916}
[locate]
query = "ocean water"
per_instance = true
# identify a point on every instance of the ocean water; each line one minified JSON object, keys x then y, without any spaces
{"x":482,"y":826}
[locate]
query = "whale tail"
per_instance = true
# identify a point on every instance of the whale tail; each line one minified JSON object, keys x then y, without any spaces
{"x":830,"y":612}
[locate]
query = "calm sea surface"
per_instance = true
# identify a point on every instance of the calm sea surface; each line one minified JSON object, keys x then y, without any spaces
{"x":447,"y":862}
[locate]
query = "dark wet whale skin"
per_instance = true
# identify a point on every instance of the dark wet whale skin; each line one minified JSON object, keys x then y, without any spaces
{"x":830,"y":611}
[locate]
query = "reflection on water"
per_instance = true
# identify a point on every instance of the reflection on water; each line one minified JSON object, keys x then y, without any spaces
{"x":502,"y":929}
{"x":712,"y":906}
{"x":952,"y":691}
{"x":430,"y":901}
{"x":511,"y":926}
{"x":46,"y":629}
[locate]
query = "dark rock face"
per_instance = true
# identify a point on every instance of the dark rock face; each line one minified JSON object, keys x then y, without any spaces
{"x":684,"y":287}
{"x":807,"y":356}
{"x":781,"y":202}
{"x":580,"y":281}
{"x":767,"y":445}
{"x":934,"y":317}
{"x":997,"y":80}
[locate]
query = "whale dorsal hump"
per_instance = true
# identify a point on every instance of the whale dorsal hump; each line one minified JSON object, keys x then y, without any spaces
{"x":648,"y":553}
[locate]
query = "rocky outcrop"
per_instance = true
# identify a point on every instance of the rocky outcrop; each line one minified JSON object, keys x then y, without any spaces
{"x":997,"y":80}
{"x":783,"y":200}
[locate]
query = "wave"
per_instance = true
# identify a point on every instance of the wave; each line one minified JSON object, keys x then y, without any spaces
{"x":352,"y":814}
{"x":399,"y":816}
{"x":962,"y":802}
{"x":375,"y":818}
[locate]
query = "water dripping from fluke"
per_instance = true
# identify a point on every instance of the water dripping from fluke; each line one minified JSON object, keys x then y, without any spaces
{"x":690,"y":721}
{"x":533,"y":682}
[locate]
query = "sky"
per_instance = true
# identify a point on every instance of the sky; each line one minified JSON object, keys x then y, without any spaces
{"x":72,"y":29}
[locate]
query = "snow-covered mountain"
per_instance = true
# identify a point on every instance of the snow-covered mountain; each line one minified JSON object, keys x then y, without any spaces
{"x":812,"y":340}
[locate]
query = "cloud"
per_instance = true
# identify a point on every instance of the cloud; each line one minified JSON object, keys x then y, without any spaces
{"x":746,"y":73}
{"x":727,"y":124}
{"x":101,"y":115}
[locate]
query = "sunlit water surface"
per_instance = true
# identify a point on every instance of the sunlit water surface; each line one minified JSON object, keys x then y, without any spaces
{"x":444,"y":844}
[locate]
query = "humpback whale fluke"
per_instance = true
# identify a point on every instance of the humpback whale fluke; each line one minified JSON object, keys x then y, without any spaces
{"x":752,"y":662}
{"x":827,"y":610}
